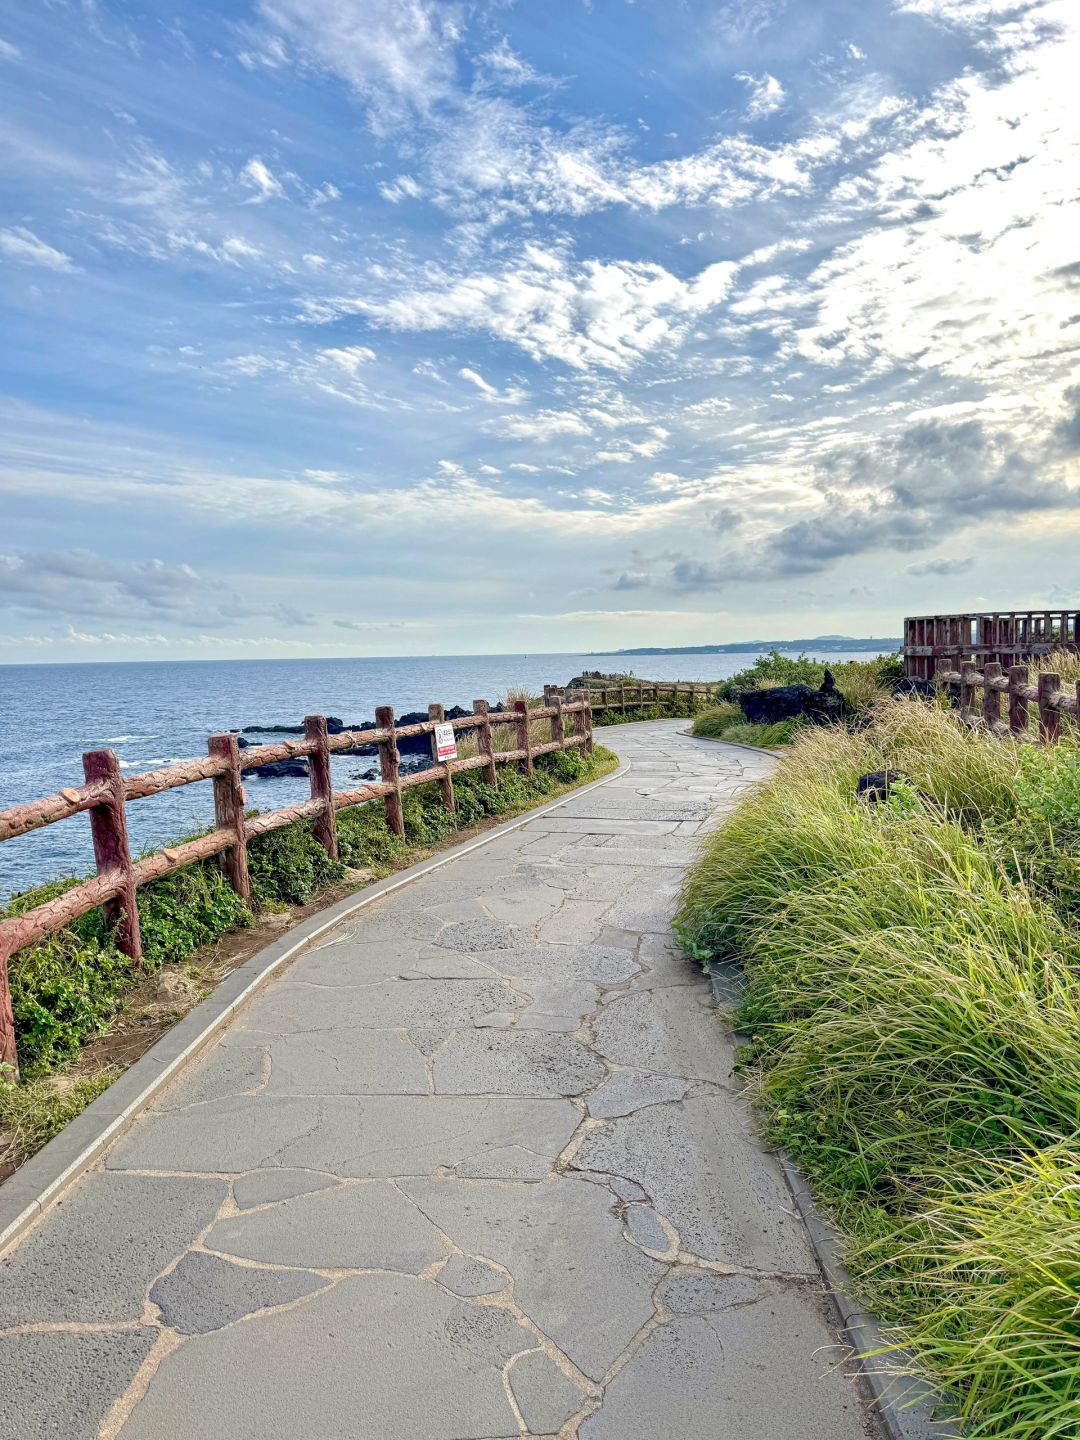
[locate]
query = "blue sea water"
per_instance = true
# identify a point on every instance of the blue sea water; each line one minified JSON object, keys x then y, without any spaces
{"x":153,"y":713}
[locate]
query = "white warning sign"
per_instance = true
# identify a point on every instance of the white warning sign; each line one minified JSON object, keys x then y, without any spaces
{"x":445,"y":743}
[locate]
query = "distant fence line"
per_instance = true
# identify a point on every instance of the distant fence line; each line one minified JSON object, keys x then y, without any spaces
{"x":999,"y":637}
{"x":106,"y":791}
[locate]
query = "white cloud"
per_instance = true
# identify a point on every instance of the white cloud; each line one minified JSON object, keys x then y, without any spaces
{"x":767,"y":95}
{"x":9,"y":51}
{"x":543,"y":425}
{"x":258,"y":177}
{"x":478,"y":380}
{"x":508,"y":68}
{"x":23,"y":246}
{"x":324,"y":194}
{"x":968,"y":272}
{"x":397,"y":55}
{"x":349,"y":358}
{"x":402,"y":187}
{"x":596,"y":313}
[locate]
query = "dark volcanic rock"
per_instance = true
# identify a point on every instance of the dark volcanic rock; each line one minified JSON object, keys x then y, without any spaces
{"x":874,"y":786}
{"x":298,"y":765}
{"x":789,"y":702}
{"x":909,"y":686}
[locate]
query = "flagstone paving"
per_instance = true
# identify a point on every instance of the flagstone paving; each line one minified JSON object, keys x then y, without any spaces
{"x":477,"y":1166}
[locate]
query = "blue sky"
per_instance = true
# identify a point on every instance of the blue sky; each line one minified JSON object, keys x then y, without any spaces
{"x":391,"y":326}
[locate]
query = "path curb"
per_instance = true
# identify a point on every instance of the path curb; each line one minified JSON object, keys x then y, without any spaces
{"x":737,"y":744}
{"x":47,"y":1176}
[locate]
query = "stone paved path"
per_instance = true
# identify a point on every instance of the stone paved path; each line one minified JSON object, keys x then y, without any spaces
{"x":476,"y":1166}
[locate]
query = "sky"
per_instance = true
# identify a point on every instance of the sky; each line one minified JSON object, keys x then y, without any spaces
{"x":385,"y":327}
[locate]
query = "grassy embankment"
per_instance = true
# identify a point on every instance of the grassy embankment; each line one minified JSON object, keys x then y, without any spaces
{"x":913,"y":997}
{"x":71,"y":992}
{"x":861,"y":682}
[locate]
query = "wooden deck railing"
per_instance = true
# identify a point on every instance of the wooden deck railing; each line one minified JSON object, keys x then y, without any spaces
{"x":1050,"y":700}
{"x":106,"y":792}
{"x":1000,"y":637}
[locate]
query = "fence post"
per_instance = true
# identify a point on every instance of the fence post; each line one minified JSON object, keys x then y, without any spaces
{"x":1049,"y":717}
{"x":229,"y":812}
{"x":483,"y":741}
{"x":322,"y":787}
{"x":967,"y":688}
{"x":991,"y":707}
{"x":521,"y":710}
{"x":8,"y":1054}
{"x":583,"y":722}
{"x":389,"y":761}
{"x":446,"y":784}
{"x":1018,"y":705}
{"x":558,"y":727}
{"x":108,"y":826}
{"x":622,"y":698}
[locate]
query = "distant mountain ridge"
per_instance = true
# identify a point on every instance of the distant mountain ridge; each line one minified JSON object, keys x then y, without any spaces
{"x":817,"y":642}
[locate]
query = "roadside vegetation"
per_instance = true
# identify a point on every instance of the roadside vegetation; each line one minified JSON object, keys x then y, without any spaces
{"x":71,"y":990}
{"x":912,"y":996}
{"x":861,"y":682}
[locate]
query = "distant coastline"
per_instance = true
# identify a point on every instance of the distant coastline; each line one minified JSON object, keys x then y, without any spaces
{"x":885,"y":644}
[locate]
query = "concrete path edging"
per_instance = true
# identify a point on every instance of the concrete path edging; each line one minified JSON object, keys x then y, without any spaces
{"x":46,"y":1177}
{"x":904,"y":1404}
{"x":738,"y":744}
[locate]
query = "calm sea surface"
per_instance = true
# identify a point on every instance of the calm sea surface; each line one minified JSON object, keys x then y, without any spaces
{"x":157,"y":712}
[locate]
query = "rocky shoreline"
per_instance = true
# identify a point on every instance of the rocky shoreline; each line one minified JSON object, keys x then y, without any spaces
{"x":415,"y":749}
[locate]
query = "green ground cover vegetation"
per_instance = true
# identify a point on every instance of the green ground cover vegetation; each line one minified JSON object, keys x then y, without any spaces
{"x":912,"y":997}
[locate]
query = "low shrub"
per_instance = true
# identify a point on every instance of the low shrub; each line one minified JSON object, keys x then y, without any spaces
{"x":289,"y":867}
{"x":862,"y":682}
{"x":62,"y":991}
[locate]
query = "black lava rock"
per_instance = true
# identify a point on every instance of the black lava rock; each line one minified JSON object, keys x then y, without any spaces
{"x":825,"y":706}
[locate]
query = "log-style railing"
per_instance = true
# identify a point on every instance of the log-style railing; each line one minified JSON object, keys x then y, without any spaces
{"x":106,"y":792}
{"x":1001,"y":637}
{"x":1013,"y":687}
{"x":630,"y":694}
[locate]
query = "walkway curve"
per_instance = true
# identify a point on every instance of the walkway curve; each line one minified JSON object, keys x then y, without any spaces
{"x":476,"y":1166}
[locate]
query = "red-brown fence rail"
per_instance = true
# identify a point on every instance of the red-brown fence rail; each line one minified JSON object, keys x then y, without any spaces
{"x":106,"y":792}
{"x":1014,"y":688}
{"x":1001,"y":637}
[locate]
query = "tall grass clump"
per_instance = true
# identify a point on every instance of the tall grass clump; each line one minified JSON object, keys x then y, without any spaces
{"x":913,"y":1002}
{"x":726,"y":722}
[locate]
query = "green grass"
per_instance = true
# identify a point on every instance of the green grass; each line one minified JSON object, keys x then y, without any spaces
{"x":913,"y":998}
{"x":725,"y":722}
{"x":33,"y":1112}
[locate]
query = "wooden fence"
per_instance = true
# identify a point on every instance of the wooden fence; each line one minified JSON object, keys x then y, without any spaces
{"x":106,"y":791}
{"x":1004,"y":638}
{"x":632,"y":693}
{"x":1014,"y":687}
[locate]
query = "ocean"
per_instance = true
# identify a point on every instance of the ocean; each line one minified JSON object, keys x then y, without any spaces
{"x":153,"y":713}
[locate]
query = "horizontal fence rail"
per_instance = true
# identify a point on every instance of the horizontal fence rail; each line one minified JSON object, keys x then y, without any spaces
{"x":632,"y":693}
{"x":1001,"y":637}
{"x":106,"y":792}
{"x":1013,"y":686}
